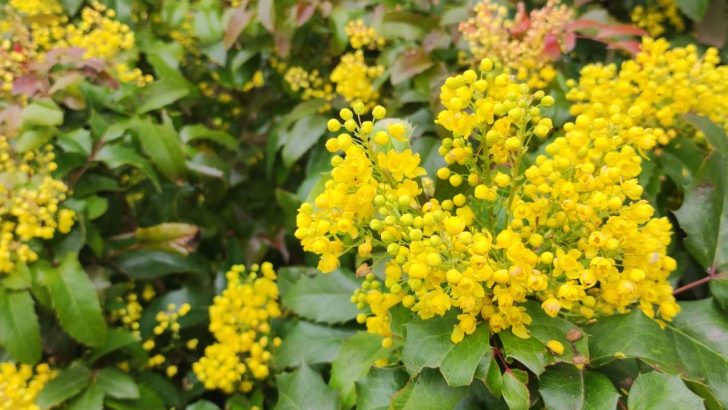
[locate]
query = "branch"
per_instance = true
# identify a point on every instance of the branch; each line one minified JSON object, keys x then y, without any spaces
{"x":712,"y":274}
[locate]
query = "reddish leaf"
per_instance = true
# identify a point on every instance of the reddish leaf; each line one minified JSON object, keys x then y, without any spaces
{"x":28,"y":84}
{"x":408,"y":64}
{"x":303,"y":12}
{"x":551,"y":47}
{"x":267,"y":14}
{"x":239,"y":20}
{"x":569,"y":41}
{"x":631,"y":46}
{"x":522,"y":22}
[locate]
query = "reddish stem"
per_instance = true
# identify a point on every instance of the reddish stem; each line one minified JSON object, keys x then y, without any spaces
{"x":711,"y":275}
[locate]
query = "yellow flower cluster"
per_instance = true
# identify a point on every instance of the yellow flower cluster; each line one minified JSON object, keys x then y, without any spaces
{"x":656,"y":14}
{"x":167,"y":322}
{"x":569,"y":230}
{"x":37,"y":7}
{"x":240,"y":322}
{"x":519,"y":45}
{"x":353,"y":78}
{"x":310,"y":84}
{"x":656,"y":87}
{"x":256,"y":82}
{"x":362,"y":36}
{"x":39,"y":26}
{"x":20,"y":385}
{"x":130,"y":314}
{"x":30,"y":201}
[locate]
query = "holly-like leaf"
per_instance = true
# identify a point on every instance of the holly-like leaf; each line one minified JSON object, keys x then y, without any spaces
{"x":76,"y":302}
{"x":91,"y":399}
{"x":115,"y":383}
{"x":428,"y":344}
{"x":304,"y":389}
{"x":163,"y":146}
{"x":376,"y":390}
{"x":515,"y":391}
{"x":356,"y":357}
{"x":67,"y":384}
{"x":323,"y":298}
{"x":428,"y":391}
{"x":564,"y":387}
{"x":655,"y":390}
{"x":304,"y":133}
{"x":19,"y":328}
{"x":311,"y":344}
{"x":695,"y":9}
{"x":530,"y":352}
{"x":410,"y":63}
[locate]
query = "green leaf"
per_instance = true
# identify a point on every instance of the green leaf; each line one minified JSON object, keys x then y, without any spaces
{"x":115,"y":156}
{"x":71,"y":6}
{"x":700,"y":336}
{"x":376,"y":390}
{"x":118,"y":338}
{"x":428,"y":391}
{"x":164,"y":389}
{"x":304,"y":389}
{"x":162,"y":144}
{"x":564,"y":387}
{"x":146,"y":264}
{"x":67,"y":384}
{"x":19,"y":328}
{"x":91,"y":399}
{"x":545,"y":328}
{"x":311,"y":344}
{"x":200,"y":132}
{"x":410,"y":63}
{"x":428,"y":345}
{"x":695,"y":9}
{"x":304,"y":133}
{"x":704,"y":214}
{"x":632,"y":335}
{"x":33,"y":138}
{"x":160,"y":94}
{"x":357,"y":356}
{"x":202,"y":405}
{"x":148,"y":400}
{"x":43,"y":113}
{"x":530,"y":352}
{"x":490,"y":374}
{"x":323,"y":298}
{"x":719,"y":290}
{"x":75,"y":302}
{"x":655,"y":390}
{"x":116,"y":383}
{"x":515,"y":391}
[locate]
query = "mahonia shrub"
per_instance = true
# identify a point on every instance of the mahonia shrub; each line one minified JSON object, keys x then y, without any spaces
{"x":658,"y":16}
{"x":21,"y":383}
{"x":655,"y":88}
{"x":570,"y":230}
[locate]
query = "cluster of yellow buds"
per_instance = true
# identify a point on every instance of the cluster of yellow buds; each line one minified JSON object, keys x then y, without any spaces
{"x":570,"y":230}
{"x":310,"y":84}
{"x":16,"y":52}
{"x":130,"y":314}
{"x":353,"y":79}
{"x":240,"y":322}
{"x":525,"y":45}
{"x":20,"y":384}
{"x":257,"y":81}
{"x":362,"y":36}
{"x":167,"y":322}
{"x":30,"y":200}
{"x":37,"y":7}
{"x":655,"y":87}
{"x":655,"y":16}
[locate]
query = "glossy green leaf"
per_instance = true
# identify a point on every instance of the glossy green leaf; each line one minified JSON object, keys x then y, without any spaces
{"x":91,"y":399}
{"x":19,"y":328}
{"x":311,"y":344}
{"x":148,"y":400}
{"x":428,"y":391}
{"x":564,"y":387}
{"x":117,"y":339}
{"x":42,"y":113}
{"x":656,"y":390}
{"x":695,"y":9}
{"x":75,"y":302}
{"x":115,"y":383}
{"x":304,"y":133}
{"x":545,"y":328}
{"x":377,"y":389}
{"x":515,"y":391}
{"x":704,"y":212}
{"x":202,"y":405}
{"x":408,"y":64}
{"x":163,"y":146}
{"x":428,"y":344}
{"x":69,"y":382}
{"x":161,"y":94}
{"x":200,"y":132}
{"x":530,"y":352}
{"x":356,"y":357}
{"x":146,"y":264}
{"x":115,"y":156}
{"x":304,"y":389}
{"x":490,"y":374}
{"x":323,"y":298}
